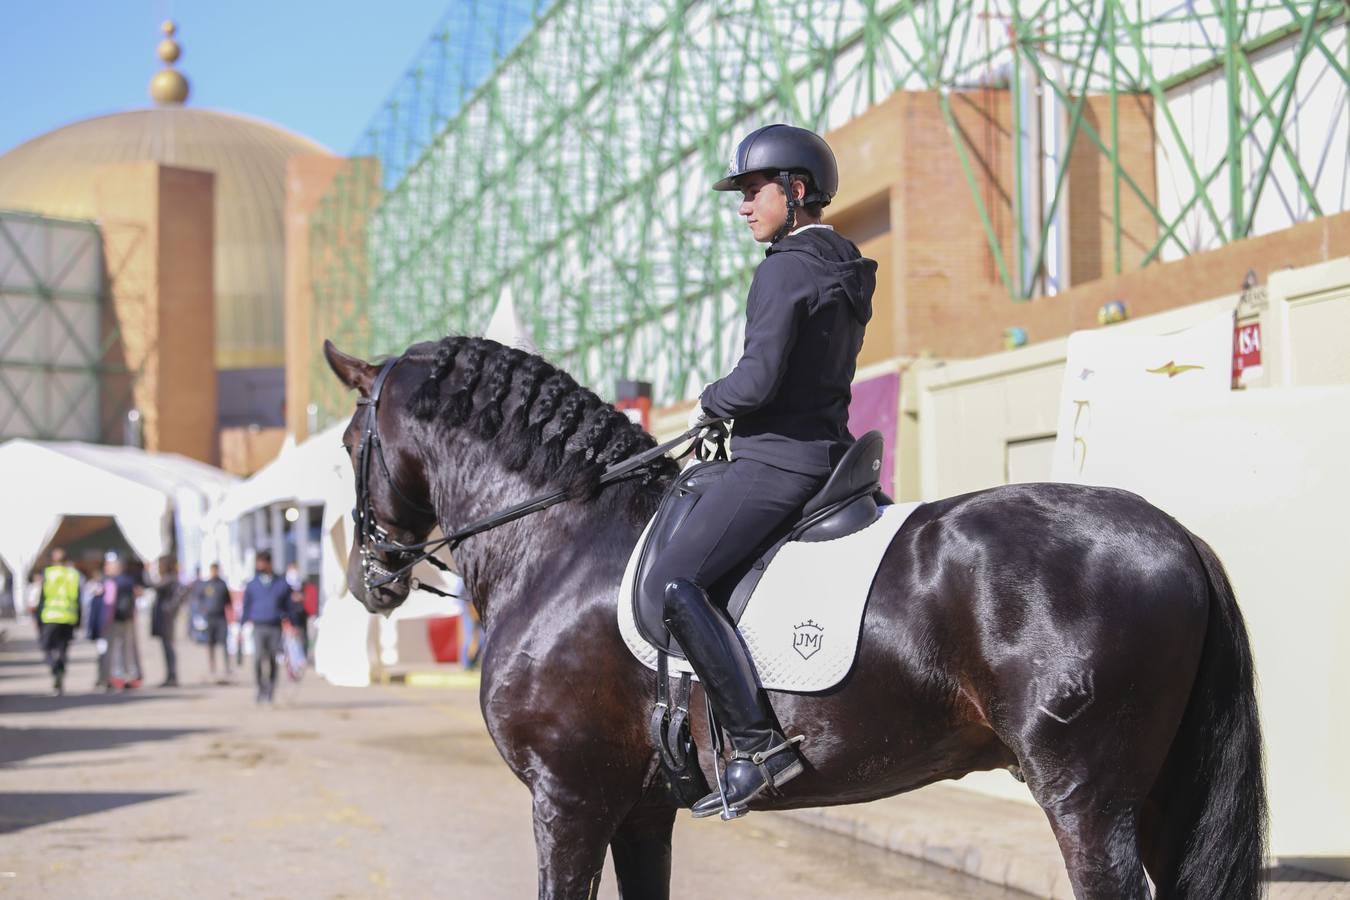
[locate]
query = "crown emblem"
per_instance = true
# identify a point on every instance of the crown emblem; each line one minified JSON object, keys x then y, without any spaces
{"x":807,"y":637}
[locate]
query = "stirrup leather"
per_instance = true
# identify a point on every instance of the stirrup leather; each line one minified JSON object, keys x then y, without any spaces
{"x":760,"y":758}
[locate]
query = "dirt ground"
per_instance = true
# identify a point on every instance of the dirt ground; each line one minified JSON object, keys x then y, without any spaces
{"x":334,"y":793}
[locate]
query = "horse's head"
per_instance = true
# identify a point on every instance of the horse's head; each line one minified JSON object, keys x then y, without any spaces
{"x":393,"y":500}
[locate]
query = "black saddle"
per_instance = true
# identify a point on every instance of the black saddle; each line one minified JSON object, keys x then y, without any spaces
{"x":847,"y":503}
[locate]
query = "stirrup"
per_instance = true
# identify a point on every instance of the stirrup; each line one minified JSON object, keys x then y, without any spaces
{"x":768,"y":786}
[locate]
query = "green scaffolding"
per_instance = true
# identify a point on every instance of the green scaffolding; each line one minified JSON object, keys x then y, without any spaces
{"x":562,"y":152}
{"x":63,"y":375}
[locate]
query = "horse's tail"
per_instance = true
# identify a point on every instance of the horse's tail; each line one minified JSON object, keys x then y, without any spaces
{"x":1217,"y":757}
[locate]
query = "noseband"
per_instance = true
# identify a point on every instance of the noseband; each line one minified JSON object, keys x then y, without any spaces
{"x":372,"y":538}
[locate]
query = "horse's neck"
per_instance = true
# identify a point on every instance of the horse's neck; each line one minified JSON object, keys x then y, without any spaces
{"x":509,"y":564}
{"x":529,"y":561}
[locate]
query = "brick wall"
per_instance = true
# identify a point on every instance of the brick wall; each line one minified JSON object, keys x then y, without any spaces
{"x":949,"y":265}
{"x":308,"y":178}
{"x":1093,"y":185}
{"x":187,"y":403}
{"x":940,"y":290}
{"x":158,"y":237}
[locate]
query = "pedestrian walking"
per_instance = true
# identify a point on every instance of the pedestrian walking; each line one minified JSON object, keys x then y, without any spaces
{"x":196,"y":621}
{"x":267,"y":600}
{"x":120,"y":591}
{"x":169,"y":594}
{"x":298,"y":614}
{"x":58,"y":615}
{"x":100,"y":620}
{"x":213,"y":603}
{"x":470,"y":628}
{"x":8,"y":608}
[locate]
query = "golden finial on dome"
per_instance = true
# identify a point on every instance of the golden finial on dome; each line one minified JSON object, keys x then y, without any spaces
{"x":169,"y":87}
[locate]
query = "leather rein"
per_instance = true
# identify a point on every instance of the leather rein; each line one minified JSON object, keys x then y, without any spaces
{"x":372,"y":538}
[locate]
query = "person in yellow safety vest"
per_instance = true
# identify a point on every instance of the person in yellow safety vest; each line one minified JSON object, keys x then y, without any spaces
{"x":58,"y":615}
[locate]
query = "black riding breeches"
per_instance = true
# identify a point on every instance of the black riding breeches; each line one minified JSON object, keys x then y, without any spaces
{"x":733,"y":517}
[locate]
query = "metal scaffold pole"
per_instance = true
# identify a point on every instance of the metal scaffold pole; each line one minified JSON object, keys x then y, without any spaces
{"x":563,"y":151}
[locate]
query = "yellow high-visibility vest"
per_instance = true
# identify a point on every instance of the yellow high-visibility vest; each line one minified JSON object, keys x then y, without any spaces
{"x":60,"y":595}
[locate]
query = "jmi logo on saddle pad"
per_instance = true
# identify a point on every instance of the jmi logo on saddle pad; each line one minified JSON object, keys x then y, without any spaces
{"x":806,"y":638}
{"x":809,"y":590}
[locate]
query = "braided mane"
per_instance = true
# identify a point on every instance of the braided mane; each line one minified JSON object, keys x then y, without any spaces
{"x":544,"y":425}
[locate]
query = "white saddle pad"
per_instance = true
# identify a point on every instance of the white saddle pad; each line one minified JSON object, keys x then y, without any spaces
{"x":803,"y":621}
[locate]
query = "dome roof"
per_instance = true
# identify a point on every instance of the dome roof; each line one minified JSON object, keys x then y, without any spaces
{"x":54,"y":175}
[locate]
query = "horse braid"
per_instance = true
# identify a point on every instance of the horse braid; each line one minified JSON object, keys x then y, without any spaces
{"x":529,"y":378}
{"x":581,"y":473}
{"x":553,"y":453}
{"x":496,"y":384}
{"x":426,"y":398}
{"x":459,"y":404}
{"x":550,"y":394}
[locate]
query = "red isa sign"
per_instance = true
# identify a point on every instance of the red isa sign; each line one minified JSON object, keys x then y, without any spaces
{"x":1247,"y":349}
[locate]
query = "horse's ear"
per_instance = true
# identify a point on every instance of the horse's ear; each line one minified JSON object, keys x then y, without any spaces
{"x":353,"y":372}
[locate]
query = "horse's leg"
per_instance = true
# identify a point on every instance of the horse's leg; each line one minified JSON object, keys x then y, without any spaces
{"x":1163,"y":845}
{"x":641,"y":849}
{"x":570,"y":837}
{"x":1097,"y":828}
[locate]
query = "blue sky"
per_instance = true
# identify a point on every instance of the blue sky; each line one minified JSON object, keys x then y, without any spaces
{"x":319,"y":68}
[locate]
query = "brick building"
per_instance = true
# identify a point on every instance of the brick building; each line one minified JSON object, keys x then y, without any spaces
{"x":187,"y":205}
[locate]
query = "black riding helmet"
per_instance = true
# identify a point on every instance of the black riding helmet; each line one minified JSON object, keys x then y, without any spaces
{"x":785,"y":151}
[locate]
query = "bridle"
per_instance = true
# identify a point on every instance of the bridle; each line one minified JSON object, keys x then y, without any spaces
{"x":372,"y":538}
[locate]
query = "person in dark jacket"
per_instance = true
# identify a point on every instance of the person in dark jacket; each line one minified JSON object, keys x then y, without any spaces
{"x":169,"y":594}
{"x":99,"y":619}
{"x":267,"y":603}
{"x":789,"y":394}
{"x":213,"y":604}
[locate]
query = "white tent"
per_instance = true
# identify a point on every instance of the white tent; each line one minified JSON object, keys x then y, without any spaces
{"x":505,"y":327}
{"x":316,"y":472}
{"x":42,"y":482}
{"x":312,"y":473}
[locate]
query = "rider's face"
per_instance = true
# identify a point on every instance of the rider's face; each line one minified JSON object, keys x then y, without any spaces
{"x":764,"y":206}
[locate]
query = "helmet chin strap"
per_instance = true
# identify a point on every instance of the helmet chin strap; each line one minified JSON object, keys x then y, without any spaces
{"x":785,"y":179}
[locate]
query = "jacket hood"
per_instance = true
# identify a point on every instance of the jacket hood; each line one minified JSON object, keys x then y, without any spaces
{"x":839,"y":261}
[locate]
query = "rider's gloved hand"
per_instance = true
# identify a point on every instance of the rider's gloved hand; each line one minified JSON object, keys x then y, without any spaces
{"x":697,"y":415}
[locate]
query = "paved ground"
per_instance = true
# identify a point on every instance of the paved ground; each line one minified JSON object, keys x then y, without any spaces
{"x":378,"y":792}
{"x":397,"y":792}
{"x":1000,"y":841}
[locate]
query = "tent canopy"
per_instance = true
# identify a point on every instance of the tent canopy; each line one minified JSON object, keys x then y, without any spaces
{"x":41,"y":482}
{"x":311,"y":473}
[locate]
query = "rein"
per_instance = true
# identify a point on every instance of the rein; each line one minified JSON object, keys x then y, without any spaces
{"x":372,"y":538}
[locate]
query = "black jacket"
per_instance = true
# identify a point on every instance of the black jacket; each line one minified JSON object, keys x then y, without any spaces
{"x":790,"y":391}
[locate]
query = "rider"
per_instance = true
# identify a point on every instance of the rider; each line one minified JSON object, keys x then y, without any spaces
{"x":789,"y":395}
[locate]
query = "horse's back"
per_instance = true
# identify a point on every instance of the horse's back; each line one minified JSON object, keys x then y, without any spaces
{"x":1009,"y":556}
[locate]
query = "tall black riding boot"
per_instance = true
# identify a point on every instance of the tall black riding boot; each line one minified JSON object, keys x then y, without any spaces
{"x":763,"y":758}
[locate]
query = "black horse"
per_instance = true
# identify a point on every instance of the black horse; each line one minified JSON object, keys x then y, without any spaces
{"x":1076,"y":636}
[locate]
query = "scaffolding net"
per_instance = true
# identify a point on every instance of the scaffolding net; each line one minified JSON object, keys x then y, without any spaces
{"x":562,"y":153}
